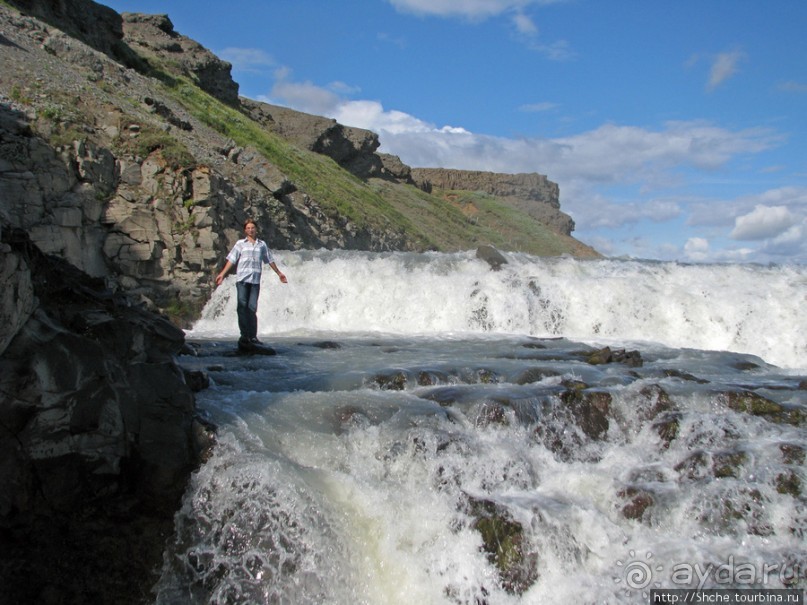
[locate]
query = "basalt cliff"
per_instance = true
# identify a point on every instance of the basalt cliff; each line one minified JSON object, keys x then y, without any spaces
{"x":128,"y":163}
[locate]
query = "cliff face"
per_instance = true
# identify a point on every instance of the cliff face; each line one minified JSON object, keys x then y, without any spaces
{"x":530,"y":192}
{"x":98,"y":434}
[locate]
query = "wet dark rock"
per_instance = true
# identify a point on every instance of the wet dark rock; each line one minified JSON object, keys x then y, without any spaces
{"x":589,"y":410}
{"x":792,"y":453}
{"x":638,"y":501}
{"x":728,"y":464}
{"x":684,"y":376}
{"x":605,"y":355}
{"x":745,"y":366}
{"x":747,"y":507}
{"x":667,"y":425}
{"x":444,"y":396}
{"x":326,"y":344}
{"x":707,"y":465}
{"x":197,"y":380}
{"x":486,"y":376}
{"x":749,"y":402}
{"x":491,"y":413}
{"x":789,"y":483}
{"x":505,"y":545}
{"x":531,"y":375}
{"x":391,"y":381}
{"x":533,"y":345}
{"x":427,"y":378}
{"x":491,"y":256}
{"x":654,"y":401}
{"x":576,"y":385}
{"x":349,"y":416}
{"x":695,"y":466}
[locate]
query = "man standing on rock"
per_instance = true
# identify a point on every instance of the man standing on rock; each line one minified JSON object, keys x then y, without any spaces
{"x":249,"y":254}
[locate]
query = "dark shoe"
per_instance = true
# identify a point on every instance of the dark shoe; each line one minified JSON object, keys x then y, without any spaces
{"x":255,"y":341}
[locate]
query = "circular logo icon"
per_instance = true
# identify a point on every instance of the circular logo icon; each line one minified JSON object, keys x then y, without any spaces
{"x":637,"y":575}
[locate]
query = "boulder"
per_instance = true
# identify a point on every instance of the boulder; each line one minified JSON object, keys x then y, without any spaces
{"x":491,"y":256}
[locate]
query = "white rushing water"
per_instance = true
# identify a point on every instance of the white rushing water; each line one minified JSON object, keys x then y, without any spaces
{"x":742,"y":308}
{"x":417,"y":400}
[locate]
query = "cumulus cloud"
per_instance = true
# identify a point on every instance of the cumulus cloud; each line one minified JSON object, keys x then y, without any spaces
{"x":697,"y":249}
{"x":716,"y":213}
{"x":724,"y":66}
{"x":763,"y":222}
{"x":791,"y":244}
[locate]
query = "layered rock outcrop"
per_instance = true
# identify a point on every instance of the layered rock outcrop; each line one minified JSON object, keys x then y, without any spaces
{"x":532,"y":193}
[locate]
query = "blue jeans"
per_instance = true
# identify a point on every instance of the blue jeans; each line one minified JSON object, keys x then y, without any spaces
{"x":248,"y":309}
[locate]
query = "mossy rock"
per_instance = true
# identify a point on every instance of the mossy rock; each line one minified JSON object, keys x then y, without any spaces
{"x":505,"y":545}
{"x":755,"y":404}
{"x":727,"y":464}
{"x":789,"y":483}
{"x":792,"y":453}
{"x":668,"y":425}
{"x":391,"y":381}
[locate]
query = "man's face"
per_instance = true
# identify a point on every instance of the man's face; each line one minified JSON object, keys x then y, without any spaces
{"x":251,"y":230}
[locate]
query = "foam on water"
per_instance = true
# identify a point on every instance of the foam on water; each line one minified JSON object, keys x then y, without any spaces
{"x":742,"y":308}
{"x":329,"y":487}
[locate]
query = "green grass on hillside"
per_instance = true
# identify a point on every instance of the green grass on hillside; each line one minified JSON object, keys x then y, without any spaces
{"x":319,"y":176}
{"x":442,"y":220}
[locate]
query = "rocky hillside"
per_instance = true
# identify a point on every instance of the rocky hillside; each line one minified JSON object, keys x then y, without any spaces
{"x":532,"y":193}
{"x":126,"y":149}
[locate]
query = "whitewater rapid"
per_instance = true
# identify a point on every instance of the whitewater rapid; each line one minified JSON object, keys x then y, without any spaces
{"x":418,"y":402}
{"x":740,"y":308}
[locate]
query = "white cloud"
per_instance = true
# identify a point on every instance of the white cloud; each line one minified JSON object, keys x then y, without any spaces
{"x":305,"y":96}
{"x":724,"y":66}
{"x":599,"y":213}
{"x":524,"y":25}
{"x":763,"y":222}
{"x":724,"y":213}
{"x":480,"y":10}
{"x":697,"y":249}
{"x":247,"y":59}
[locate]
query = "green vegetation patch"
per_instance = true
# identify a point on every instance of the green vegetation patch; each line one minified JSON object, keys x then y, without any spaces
{"x":334,"y":188}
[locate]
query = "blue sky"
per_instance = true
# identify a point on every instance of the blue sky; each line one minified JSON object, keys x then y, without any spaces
{"x":676,"y":129}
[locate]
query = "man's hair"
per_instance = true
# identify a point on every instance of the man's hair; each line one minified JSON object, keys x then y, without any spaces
{"x":248,"y":221}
